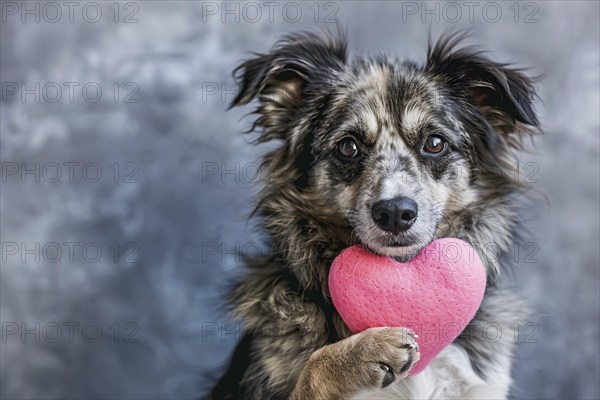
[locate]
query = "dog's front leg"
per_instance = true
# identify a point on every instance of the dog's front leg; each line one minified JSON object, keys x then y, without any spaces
{"x":371,"y":359}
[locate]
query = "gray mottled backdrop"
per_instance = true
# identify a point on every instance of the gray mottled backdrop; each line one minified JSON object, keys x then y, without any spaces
{"x":125,"y":184}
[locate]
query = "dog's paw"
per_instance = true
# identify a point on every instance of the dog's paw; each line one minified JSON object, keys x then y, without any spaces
{"x":386,"y":354}
{"x":372,"y":359}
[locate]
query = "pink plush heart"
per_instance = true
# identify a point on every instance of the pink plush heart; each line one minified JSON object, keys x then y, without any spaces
{"x":435,"y":294}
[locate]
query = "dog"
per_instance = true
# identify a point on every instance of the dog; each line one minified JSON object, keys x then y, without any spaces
{"x":390,"y":155}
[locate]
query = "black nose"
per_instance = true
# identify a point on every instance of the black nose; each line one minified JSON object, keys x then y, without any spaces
{"x":395,"y":215}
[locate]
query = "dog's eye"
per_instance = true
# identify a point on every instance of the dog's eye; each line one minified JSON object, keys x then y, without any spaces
{"x":347,"y":148}
{"x":435,"y":144}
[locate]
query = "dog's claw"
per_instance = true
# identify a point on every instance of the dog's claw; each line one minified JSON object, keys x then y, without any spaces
{"x":411,"y":333}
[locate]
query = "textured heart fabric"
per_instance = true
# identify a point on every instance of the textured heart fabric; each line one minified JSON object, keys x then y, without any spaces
{"x":435,"y":294}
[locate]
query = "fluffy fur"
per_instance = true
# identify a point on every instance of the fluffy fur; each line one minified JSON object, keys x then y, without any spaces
{"x":314,"y":203}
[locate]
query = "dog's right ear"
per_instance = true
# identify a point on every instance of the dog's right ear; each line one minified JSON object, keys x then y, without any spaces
{"x":280,"y":78}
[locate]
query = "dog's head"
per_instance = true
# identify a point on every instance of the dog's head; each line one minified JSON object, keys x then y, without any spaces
{"x":387,"y":149}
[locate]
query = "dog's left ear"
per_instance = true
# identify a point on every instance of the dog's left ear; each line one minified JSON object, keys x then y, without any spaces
{"x":502,"y":96}
{"x":281,"y":79}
